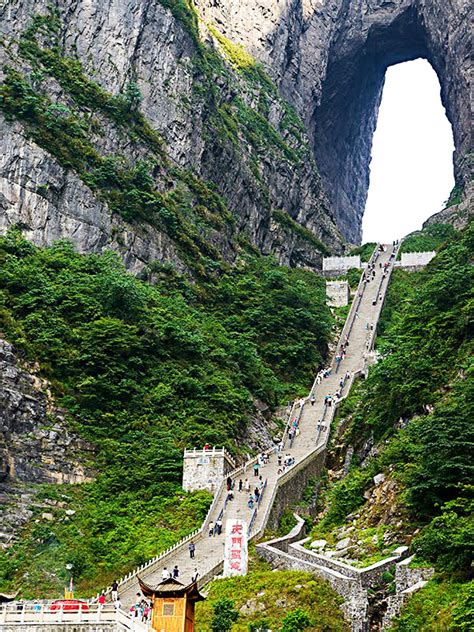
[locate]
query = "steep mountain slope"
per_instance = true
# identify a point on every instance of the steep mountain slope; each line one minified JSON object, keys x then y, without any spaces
{"x":141,"y":371}
{"x":329,"y":60}
{"x":411,"y":422}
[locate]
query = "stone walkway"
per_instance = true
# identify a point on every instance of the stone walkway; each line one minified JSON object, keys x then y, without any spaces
{"x":210,"y":550}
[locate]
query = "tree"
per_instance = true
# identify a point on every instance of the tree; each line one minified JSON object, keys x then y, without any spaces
{"x":296,"y":621}
{"x":225,"y":615}
{"x":133,"y":96}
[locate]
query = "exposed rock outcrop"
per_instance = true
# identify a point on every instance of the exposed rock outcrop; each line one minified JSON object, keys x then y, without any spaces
{"x":329,"y":60}
{"x":35,"y":446}
{"x":458,"y":214}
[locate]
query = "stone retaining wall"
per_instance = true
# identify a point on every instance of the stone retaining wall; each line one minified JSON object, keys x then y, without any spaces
{"x":291,"y":486}
{"x":355,"y":596}
{"x":340,"y":264}
{"x":416,"y":259}
{"x":368,"y":577}
{"x":295,"y":535}
{"x":407,"y":581}
{"x":344,"y":586}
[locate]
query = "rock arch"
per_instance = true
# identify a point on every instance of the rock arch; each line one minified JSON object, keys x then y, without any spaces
{"x":330,"y":58}
{"x":345,"y":117}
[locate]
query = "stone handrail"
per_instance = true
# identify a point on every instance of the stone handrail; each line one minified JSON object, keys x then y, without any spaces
{"x":347,"y":328}
{"x":390,"y":269}
{"x":288,"y":475}
{"x":46,"y":612}
{"x":293,"y":470}
{"x":214,"y":451}
{"x":319,"y":447}
{"x":159,"y":559}
{"x":255,"y":511}
{"x":290,"y":422}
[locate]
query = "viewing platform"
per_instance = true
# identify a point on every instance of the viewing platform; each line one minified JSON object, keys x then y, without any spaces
{"x":205,"y":468}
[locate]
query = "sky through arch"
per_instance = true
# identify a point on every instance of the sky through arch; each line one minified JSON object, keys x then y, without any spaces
{"x":411,"y":168}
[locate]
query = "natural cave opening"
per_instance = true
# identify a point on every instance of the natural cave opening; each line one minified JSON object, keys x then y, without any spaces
{"x":411,"y":169}
{"x":345,"y":119}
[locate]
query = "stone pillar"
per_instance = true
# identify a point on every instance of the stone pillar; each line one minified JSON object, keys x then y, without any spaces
{"x":205,"y":469}
{"x":337,"y":293}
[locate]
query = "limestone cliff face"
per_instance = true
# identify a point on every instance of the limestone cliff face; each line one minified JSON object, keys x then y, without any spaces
{"x":329,"y":59}
{"x":118,"y":41}
{"x":34,"y":444}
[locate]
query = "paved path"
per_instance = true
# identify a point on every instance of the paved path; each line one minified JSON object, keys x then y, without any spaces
{"x":210,"y":550}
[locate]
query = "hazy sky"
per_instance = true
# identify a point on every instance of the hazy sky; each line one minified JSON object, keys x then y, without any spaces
{"x":411,"y":168}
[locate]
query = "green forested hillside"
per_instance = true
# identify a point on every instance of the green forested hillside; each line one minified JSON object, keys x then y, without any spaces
{"x":144,"y":371}
{"x":430,"y":238}
{"x":417,"y":405}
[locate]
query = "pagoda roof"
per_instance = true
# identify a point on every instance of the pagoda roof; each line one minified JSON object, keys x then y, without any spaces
{"x":5,"y":597}
{"x":171,"y":588}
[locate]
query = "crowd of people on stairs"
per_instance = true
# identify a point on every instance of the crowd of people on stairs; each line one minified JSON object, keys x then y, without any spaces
{"x":254,"y":488}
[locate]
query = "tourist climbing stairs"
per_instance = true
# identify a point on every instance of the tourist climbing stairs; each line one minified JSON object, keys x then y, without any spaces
{"x":314,"y":415}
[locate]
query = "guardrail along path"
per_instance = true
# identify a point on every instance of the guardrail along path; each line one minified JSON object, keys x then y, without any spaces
{"x":359,"y":330}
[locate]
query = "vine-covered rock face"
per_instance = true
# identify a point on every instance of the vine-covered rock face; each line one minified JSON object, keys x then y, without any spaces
{"x":34,"y":443}
{"x":330,"y":58}
{"x":217,"y":114}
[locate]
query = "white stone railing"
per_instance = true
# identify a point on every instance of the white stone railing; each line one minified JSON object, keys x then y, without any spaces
{"x":159,"y":559}
{"x":347,"y":329}
{"x":320,"y":447}
{"x":25,"y":613}
{"x":373,"y":332}
{"x":214,"y":451}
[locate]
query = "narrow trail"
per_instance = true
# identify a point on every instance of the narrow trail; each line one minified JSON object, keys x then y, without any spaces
{"x":312,"y":437}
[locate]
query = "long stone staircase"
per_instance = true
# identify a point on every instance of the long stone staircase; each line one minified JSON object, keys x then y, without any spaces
{"x":307,"y":448}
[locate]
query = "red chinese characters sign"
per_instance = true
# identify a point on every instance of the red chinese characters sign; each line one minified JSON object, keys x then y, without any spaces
{"x":236,"y":549}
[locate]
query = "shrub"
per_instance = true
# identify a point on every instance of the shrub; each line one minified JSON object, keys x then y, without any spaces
{"x":296,"y":621}
{"x":225,"y":615}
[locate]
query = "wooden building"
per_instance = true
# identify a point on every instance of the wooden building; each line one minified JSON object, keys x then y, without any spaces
{"x":172,"y":605}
